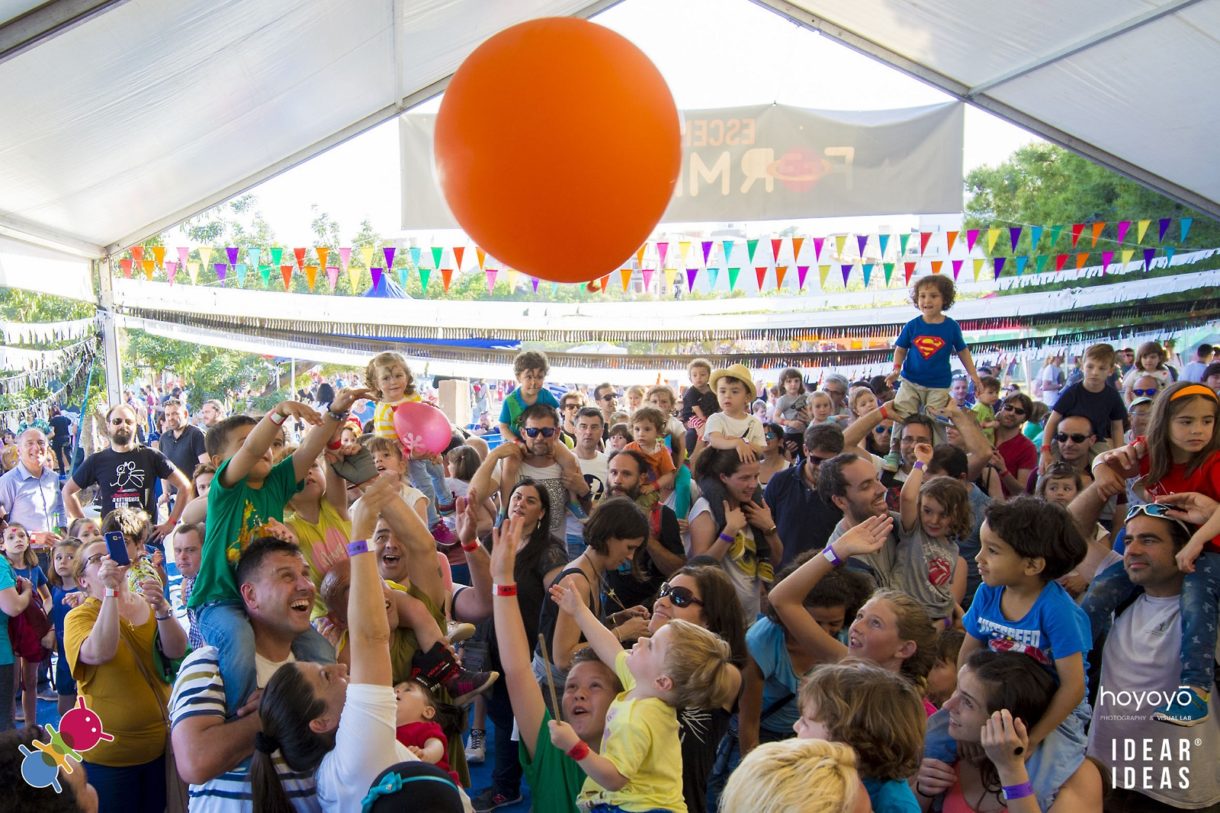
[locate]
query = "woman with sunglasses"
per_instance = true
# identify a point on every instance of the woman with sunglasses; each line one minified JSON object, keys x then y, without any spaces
{"x":1149,"y":361}
{"x":703,"y":595}
{"x":773,"y":459}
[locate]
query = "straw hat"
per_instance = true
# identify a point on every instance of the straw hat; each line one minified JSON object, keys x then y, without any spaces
{"x":741,"y":373}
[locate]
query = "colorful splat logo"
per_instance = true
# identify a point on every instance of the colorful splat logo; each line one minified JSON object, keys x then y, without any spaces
{"x":79,"y":730}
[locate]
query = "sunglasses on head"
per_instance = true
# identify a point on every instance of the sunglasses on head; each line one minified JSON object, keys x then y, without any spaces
{"x":1158,"y":511}
{"x":679,"y":596}
{"x":535,"y":431}
{"x":1151,"y":391}
{"x":1011,"y":408}
{"x":1075,"y":437}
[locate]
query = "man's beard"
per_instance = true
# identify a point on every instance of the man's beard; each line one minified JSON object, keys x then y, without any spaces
{"x":633,"y":493}
{"x":121,"y":437}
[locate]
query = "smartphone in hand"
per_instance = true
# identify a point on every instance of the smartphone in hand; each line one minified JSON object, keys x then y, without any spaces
{"x":116,"y":546}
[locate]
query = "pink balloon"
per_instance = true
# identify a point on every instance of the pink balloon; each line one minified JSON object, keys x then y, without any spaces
{"x":420,"y":426}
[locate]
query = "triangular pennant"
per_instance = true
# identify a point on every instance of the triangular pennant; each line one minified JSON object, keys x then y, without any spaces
{"x":387,"y":251}
{"x":332,"y":277}
{"x":1081,"y":259}
{"x":868,"y":273}
{"x":733,"y":272}
{"x":205,"y":255}
{"x":950,"y":239}
{"x":840,"y":239}
{"x":1149,"y":253}
{"x":171,"y":271}
{"x":669,"y":277}
{"x":490,"y":273}
{"x":184,"y":254}
{"x":924,"y":237}
{"x":322,"y":251}
{"x":1077,"y":228}
{"x":437,"y":253}
{"x":1060,"y":259}
{"x":1040,"y":263}
{"x":937,"y":265}
{"x":375,"y":275}
{"x":760,"y":273}
{"x":159,"y":255}
{"x":639,"y":258}
{"x":1162,"y":226}
{"x":683,"y":251}
{"x":823,"y":273}
{"x":1098,"y":228}
{"x":402,"y":277}
{"x":797,"y":242}
{"x":481,"y":256}
{"x":728,"y":250}
{"x":354,"y":278}
{"x":299,"y":253}
{"x":1055,"y":230}
{"x":311,"y":276}
{"x":1123,"y":226}
{"x":345,"y":256}
{"x":776,"y":245}
{"x":221,"y":269}
{"x":691,"y":273}
{"x":992,"y":236}
{"x":286,"y":273}
{"x":818,"y":242}
{"x":126,"y":264}
{"x":861,"y":242}
{"x":1021,"y":261}
{"x":602,"y":282}
{"x":253,"y":255}
{"x":802,"y":271}
{"x":751,"y":249}
{"x":366,"y":256}
{"x":1126,"y":255}
{"x":713,"y":274}
{"x":458,"y":253}
{"x":1106,"y":257}
{"x":264,"y":271}
{"x":554,"y":289}
{"x":1140,"y":229}
{"x":957,"y":269}
{"x":780,"y":271}
{"x":446,"y":278}
{"x":625,"y":273}
{"x":978,"y":266}
{"x":1014,"y":236}
{"x":647,"y":273}
{"x":972,"y":237}
{"x":883,"y":241}
{"x":1183,"y":227}
{"x":889,"y":271}
{"x":231,"y":252}
{"x":137,"y":254}
{"x":192,"y":268}
{"x":662,"y":250}
{"x":706,"y":245}
{"x":425,"y":274}
{"x":149,"y":266}
{"x":1169,"y":251}
{"x":240,"y":268}
{"x":1035,"y":237}
{"x":908,"y":271}
{"x":997,"y":265}
{"x":846,"y":269}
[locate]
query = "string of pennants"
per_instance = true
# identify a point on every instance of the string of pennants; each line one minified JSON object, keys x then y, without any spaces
{"x":860,"y":254}
{"x":43,"y":366}
{"x":70,"y":383}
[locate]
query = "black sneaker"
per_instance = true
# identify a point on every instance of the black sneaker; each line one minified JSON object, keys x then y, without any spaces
{"x":491,"y":799}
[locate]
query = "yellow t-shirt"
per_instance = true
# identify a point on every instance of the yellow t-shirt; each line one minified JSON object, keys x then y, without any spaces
{"x":322,"y":542}
{"x":641,"y":739}
{"x":118,"y":692}
{"x":383,"y":416}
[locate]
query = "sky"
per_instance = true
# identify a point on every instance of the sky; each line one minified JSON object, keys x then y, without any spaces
{"x":713,"y":53}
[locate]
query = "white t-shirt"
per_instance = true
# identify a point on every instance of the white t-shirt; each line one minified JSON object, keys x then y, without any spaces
{"x":597,"y":475}
{"x":1053,"y":376}
{"x":364,"y":747}
{"x":410,"y":495}
{"x":749,"y":427}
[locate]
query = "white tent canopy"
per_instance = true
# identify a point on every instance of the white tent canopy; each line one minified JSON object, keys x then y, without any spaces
{"x":124,"y":118}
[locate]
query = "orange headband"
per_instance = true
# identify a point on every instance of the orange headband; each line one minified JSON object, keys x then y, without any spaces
{"x":1194,"y":389}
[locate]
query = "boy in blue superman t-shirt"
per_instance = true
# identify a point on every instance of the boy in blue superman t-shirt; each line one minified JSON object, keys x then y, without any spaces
{"x":925,"y":372}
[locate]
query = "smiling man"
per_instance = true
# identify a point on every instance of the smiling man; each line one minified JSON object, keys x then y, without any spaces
{"x":850,"y":483}
{"x":804,"y":518}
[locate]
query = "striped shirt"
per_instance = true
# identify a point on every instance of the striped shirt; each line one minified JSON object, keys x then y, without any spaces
{"x":383,"y":416}
{"x":199,"y":691}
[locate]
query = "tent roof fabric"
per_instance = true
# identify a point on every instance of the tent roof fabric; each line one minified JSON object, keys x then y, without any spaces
{"x":147,"y":112}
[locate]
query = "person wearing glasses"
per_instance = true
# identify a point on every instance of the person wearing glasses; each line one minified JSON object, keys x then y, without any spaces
{"x":605,"y":399}
{"x":1144,"y":385}
{"x":126,"y":473}
{"x":1092,"y":398}
{"x":1073,"y":444}
{"x":1015,"y":457}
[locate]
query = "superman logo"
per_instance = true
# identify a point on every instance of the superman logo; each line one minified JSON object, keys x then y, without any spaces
{"x":928,"y":346}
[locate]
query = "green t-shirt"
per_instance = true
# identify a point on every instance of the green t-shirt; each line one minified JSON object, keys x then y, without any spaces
{"x":236,"y":517}
{"x":554,"y":779}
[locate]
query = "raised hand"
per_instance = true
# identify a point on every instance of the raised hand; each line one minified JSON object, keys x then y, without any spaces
{"x":295,"y":409}
{"x":866,"y":537}
{"x":567,"y":599}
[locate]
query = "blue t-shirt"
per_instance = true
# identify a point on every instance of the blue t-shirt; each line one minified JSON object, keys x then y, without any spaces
{"x":59,"y":610}
{"x":7,"y":580}
{"x":890,"y":795}
{"x":1054,"y":627}
{"x":765,"y":641}
{"x":34,"y":574}
{"x":929,"y":349}
{"x":510,"y":412}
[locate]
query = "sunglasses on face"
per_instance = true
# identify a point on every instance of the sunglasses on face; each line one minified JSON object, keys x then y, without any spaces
{"x":1158,"y":511}
{"x":607,"y":397}
{"x":1011,"y":408}
{"x":535,"y":431}
{"x":570,"y":406}
{"x":679,"y":596}
{"x":881,"y":430}
{"x":1075,"y":437}
{"x":1148,"y":392}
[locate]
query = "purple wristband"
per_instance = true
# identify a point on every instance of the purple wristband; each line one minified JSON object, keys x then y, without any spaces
{"x":1014,"y":792}
{"x":357,"y":547}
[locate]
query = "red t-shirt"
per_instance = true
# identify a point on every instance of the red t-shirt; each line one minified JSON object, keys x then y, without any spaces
{"x":418,"y":734}
{"x":1018,"y":453}
{"x":1205,"y":480}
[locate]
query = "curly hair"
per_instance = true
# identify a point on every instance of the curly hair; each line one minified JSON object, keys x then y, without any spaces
{"x":954,"y":497}
{"x":941,"y":283}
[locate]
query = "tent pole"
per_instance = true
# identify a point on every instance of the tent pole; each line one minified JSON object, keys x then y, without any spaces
{"x":292,"y":390}
{"x":110,"y":335}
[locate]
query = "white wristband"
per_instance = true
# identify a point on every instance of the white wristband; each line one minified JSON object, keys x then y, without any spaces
{"x":277,"y":417}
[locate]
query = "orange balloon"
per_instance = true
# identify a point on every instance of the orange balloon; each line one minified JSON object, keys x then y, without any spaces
{"x":558,"y":148}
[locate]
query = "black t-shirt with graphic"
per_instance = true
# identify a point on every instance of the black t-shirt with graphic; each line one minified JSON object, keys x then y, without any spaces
{"x":124,"y":479}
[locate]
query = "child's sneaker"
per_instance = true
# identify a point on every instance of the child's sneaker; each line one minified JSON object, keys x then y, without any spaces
{"x":476,"y":746}
{"x":492,"y":799}
{"x":1193,"y":712}
{"x":891,"y":462}
{"x":442,"y":534}
{"x":465,"y":686}
{"x":459,"y":631}
{"x":445,"y":508}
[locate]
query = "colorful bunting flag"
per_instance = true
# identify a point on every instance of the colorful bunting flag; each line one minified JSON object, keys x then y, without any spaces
{"x":1141,"y":228}
{"x":311,"y":276}
{"x":437,"y":253}
{"x":950,"y":239}
{"x":1060,"y":259}
{"x":846,"y":269}
{"x":992,"y":235}
{"x":183,"y":254}
{"x":1123,"y":226}
{"x":1055,"y":230}
{"x":241,"y":275}
{"x":662,"y":250}
{"x":883,"y":240}
{"x":322,"y":252}
{"x":1014,"y":235}
{"x":137,"y":254}
{"x":1169,"y":251}
{"x":205,"y":255}
{"x":1098,"y":228}
{"x":997,"y":265}
{"x":776,"y":245}
{"x":840,"y":239}
{"x":908,"y":269}
{"x":903,"y":239}
{"x":797,"y":242}
{"x":780,"y":271}
{"x":728,"y":250}
{"x":733,"y":272}
{"x":1149,"y":253}
{"x":490,"y":273}
{"x":818,"y":242}
{"x":1040,"y":263}
{"x":221,"y":269}
{"x":332,"y":277}
{"x":1077,"y":228}
{"x":751,"y":249}
{"x":446,"y":277}
{"x":861,"y":242}
{"x":978,"y":266}
{"x":669,"y":277}
{"x":1183,"y":224}
{"x":691,"y":273}
{"x":481,"y":256}
{"x":375,"y":276}
{"x":171,"y":271}
{"x":1126,"y":255}
{"x":706,"y":245}
{"x":425,"y":274}
{"x":354,"y":278}
{"x":625,"y":274}
{"x":253,"y":255}
{"x":823,"y":273}
{"x":889,"y":271}
{"x":159,"y":255}
{"x":647,"y":275}
{"x":345,"y":256}
{"x":639,"y":260}
{"x":957,"y":269}
{"x":388,"y":252}
{"x":937,"y":265}
{"x":264,"y":271}
{"x":286,"y":273}
{"x":1035,"y":237}
{"x":1106,"y":257}
{"x":402,"y":277}
{"x":972,"y":236}
{"x":149,"y":266}
{"x":1081,"y":259}
{"x":801,"y":272}
{"x":924,"y":237}
{"x":512,"y":279}
{"x":366,"y":256}
{"x":192,"y":268}
{"x":868,"y":273}
{"x":125,"y":265}
{"x":1021,"y":261}
{"x":299,"y":253}
{"x":1163,"y":226}
{"x":713,"y":274}
{"x":683,"y":251}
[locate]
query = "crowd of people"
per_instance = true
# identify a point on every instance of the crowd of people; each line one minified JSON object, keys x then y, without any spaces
{"x":923,"y":591}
